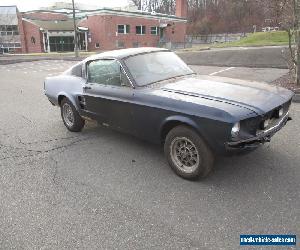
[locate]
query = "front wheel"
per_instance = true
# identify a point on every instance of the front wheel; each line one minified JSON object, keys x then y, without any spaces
{"x":70,"y":116}
{"x":187,"y":153}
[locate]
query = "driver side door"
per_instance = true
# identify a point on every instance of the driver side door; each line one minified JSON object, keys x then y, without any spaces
{"x":108,"y":97}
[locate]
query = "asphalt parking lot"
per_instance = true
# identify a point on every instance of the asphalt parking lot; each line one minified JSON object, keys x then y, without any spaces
{"x":100,"y":189}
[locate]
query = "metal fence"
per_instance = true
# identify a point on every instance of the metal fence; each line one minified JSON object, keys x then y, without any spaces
{"x":193,"y":40}
{"x":215,"y":38}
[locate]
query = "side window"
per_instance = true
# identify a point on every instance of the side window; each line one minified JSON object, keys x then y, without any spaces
{"x":105,"y":72}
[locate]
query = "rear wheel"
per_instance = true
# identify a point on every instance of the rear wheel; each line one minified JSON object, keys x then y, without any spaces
{"x":70,"y":116}
{"x":187,"y":153}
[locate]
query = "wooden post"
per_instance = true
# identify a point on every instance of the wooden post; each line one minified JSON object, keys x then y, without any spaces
{"x":75,"y":32}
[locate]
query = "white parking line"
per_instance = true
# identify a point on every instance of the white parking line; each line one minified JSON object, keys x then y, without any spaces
{"x":220,"y":71}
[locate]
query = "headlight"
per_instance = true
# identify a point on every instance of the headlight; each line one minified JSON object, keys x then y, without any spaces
{"x":280,"y":112}
{"x":235,"y":129}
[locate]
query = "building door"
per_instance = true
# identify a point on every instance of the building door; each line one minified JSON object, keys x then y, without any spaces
{"x":61,"y":43}
{"x":161,"y":33}
{"x":81,"y":41}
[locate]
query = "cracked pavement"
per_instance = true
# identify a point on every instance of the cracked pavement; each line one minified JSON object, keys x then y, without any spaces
{"x":100,"y":189}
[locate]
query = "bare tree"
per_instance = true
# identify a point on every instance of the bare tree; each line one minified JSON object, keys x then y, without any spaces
{"x":161,"y":6}
{"x":287,"y":14}
{"x":296,"y":5}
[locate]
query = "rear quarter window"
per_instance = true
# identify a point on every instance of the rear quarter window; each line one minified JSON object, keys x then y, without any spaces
{"x":77,"y":70}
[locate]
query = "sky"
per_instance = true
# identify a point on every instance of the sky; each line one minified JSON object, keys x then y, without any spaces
{"x":24,"y":5}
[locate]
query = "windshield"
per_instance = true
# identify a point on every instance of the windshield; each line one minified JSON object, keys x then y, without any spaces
{"x":157,"y":66}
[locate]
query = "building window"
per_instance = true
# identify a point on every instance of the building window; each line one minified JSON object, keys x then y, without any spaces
{"x":154,"y":30}
{"x":140,"y":30}
{"x":9,"y":30}
{"x":123,"y":29}
{"x":97,"y":45}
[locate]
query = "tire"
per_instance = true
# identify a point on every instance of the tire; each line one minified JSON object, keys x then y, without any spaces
{"x":187,"y":153}
{"x":70,"y":116}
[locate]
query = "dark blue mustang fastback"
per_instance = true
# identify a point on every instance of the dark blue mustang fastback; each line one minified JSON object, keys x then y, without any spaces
{"x":152,"y":94}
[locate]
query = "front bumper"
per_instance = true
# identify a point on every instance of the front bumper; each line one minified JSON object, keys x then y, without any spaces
{"x":264,"y":136}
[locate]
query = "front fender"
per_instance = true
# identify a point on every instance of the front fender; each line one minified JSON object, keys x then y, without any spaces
{"x":183,"y":120}
{"x":211,"y":131}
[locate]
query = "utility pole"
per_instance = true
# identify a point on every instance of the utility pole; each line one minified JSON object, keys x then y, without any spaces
{"x":297,"y":39}
{"x":75,"y":32}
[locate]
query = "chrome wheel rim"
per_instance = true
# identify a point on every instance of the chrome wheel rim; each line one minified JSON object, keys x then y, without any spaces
{"x":184,"y":154}
{"x":68,"y":114}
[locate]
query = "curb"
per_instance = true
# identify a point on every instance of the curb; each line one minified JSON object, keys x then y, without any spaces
{"x":20,"y":60}
{"x":187,"y":50}
{"x":296,"y":98}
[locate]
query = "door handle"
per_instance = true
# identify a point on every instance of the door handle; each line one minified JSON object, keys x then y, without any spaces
{"x":87,"y":87}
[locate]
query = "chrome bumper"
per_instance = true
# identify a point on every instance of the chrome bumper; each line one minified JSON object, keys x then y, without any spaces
{"x":264,"y":136}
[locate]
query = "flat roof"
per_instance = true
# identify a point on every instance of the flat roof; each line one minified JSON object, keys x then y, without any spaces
{"x":105,"y":11}
{"x":52,"y":25}
{"x":130,"y":13}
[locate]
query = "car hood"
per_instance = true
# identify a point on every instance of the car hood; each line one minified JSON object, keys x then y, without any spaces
{"x":255,"y":96}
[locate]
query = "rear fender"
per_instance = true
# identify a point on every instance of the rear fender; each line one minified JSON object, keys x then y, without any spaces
{"x":71,"y":98}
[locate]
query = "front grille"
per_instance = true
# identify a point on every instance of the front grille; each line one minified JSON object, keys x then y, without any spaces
{"x":273,"y":116}
{"x":254,"y":125}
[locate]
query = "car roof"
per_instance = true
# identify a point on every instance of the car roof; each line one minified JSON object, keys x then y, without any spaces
{"x":123,"y":53}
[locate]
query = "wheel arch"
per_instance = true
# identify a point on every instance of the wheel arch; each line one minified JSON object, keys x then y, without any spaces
{"x":173,"y":121}
{"x":63,"y":95}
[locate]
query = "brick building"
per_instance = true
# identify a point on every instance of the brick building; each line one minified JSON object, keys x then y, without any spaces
{"x":101,"y":29}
